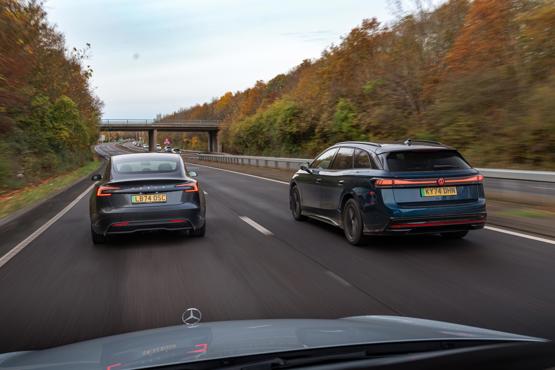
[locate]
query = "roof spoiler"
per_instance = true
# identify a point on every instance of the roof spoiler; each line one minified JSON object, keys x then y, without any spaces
{"x":409,"y":142}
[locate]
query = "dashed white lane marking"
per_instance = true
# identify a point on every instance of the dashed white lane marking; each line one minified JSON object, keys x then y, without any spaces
{"x":527,"y":236}
{"x":256,"y":225}
{"x":338,"y":278}
{"x":25,"y":242}
{"x":496,"y":229}
{"x":541,"y":187}
{"x":205,"y":192}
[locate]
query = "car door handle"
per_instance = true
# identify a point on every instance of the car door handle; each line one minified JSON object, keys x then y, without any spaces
{"x":340,"y":182}
{"x":318,"y":180}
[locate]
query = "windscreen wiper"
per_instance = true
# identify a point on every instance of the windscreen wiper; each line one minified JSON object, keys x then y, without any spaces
{"x":332,"y":355}
{"x":280,"y":363}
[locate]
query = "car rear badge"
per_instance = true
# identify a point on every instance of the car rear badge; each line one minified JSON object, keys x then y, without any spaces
{"x":440,"y":181}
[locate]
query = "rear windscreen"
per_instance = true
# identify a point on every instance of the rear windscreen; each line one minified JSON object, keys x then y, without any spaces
{"x":145,"y":166}
{"x":436,"y":160}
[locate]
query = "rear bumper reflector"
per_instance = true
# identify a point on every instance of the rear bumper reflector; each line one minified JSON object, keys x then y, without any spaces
{"x":177,"y":221}
{"x":408,"y":225}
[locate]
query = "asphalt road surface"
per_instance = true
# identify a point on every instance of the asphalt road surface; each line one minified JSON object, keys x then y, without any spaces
{"x":257,"y":262}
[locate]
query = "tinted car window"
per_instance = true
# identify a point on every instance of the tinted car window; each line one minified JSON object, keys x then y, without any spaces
{"x":145,"y":166}
{"x":425,"y":160}
{"x":324,"y":160}
{"x":343,"y":160}
{"x":362,"y":159}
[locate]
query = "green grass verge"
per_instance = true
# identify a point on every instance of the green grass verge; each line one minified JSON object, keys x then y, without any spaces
{"x":24,"y":197}
{"x":527,"y":212}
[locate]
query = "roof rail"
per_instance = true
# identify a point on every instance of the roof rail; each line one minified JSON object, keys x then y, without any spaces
{"x":410,"y":142}
{"x":360,"y":142}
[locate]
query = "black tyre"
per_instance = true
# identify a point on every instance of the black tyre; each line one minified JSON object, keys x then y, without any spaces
{"x":295,"y":204}
{"x":199,"y":233}
{"x":455,"y":234}
{"x":353,"y":226}
{"x":97,"y":238}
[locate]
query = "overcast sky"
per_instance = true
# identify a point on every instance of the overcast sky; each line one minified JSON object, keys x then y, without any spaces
{"x":156,"y":56}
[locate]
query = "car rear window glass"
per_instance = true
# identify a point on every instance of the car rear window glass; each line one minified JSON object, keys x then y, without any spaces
{"x":343,"y":160}
{"x":436,"y":160}
{"x":146,"y":166}
{"x":324,"y":160}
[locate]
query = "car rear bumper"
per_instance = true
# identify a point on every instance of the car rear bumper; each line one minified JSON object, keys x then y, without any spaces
{"x":427,"y":220}
{"x":434,"y":225}
{"x":131,"y":219}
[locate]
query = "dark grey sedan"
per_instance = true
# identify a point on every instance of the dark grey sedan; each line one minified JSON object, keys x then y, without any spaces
{"x":146,"y":191}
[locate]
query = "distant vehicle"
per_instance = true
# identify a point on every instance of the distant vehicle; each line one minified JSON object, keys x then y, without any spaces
{"x":145,"y":146}
{"x":134,"y":143}
{"x":176,"y":150}
{"x":158,"y":147}
{"x":167,"y":149}
{"x":418,"y":187}
{"x":146,"y":191}
{"x":360,"y":342}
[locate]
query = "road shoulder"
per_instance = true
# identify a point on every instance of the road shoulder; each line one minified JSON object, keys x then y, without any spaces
{"x":22,"y":223}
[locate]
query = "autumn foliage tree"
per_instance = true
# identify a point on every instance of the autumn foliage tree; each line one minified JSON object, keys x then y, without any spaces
{"x":48,"y":113}
{"x":478,"y":75}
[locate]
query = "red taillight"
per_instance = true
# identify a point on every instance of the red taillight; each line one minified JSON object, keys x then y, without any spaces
{"x":476,"y":178}
{"x":188,"y":187}
{"x":381,"y":183}
{"x":104,"y":191}
{"x":384,"y":182}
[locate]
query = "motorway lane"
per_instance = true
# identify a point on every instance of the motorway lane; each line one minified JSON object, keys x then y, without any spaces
{"x":489,"y":279}
{"x":62,"y":288}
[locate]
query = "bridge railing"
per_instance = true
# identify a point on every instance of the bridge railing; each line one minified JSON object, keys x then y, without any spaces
{"x":142,"y":122}
{"x":126,"y":121}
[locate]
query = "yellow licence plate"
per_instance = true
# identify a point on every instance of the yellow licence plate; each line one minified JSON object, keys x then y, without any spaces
{"x":446,"y":191}
{"x":149,"y":198}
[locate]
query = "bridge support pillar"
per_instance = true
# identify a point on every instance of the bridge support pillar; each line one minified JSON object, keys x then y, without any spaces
{"x":152,"y":140}
{"x":212,"y":141}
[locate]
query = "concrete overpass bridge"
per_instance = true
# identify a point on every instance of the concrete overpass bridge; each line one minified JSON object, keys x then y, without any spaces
{"x":153,"y":126}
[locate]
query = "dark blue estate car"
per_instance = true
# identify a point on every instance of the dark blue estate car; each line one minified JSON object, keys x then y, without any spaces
{"x":418,"y":187}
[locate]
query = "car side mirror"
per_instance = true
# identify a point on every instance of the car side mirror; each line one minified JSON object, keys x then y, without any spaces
{"x":96,"y":177}
{"x":192,"y":174}
{"x":305,"y":168}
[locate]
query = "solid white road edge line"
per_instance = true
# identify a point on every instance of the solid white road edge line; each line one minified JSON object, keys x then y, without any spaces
{"x":527,"y":236}
{"x":496,"y":229}
{"x":25,"y":242}
{"x":244,"y":174}
{"x":256,"y":225}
